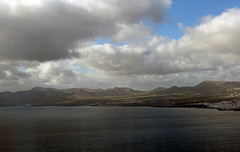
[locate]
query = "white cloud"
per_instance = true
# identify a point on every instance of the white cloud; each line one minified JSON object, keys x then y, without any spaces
{"x":205,"y":47}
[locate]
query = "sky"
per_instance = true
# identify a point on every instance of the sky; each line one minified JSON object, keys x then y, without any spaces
{"x":125,"y":43}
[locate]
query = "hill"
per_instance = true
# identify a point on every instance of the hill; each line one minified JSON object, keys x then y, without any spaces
{"x":51,"y":96}
{"x":216,"y":86}
{"x":212,"y":94}
{"x":206,"y":87}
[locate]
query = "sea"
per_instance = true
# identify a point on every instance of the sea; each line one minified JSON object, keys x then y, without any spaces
{"x":118,"y":129}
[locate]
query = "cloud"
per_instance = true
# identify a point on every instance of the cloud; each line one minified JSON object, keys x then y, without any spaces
{"x":213,"y":43}
{"x":52,"y":30}
{"x":2,"y":74}
{"x":132,"y":33}
{"x":51,"y":40}
{"x":59,"y":74}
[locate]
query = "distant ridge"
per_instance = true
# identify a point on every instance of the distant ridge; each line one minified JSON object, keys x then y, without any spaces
{"x":215,"y":86}
{"x":203,"y":87}
{"x":159,"y":89}
{"x":213,"y":91}
{"x":39,"y":95}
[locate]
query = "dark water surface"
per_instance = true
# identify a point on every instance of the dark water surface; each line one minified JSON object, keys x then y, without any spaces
{"x":130,"y":129}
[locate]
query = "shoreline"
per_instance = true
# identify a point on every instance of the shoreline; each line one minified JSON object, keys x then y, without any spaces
{"x":154,"y":106}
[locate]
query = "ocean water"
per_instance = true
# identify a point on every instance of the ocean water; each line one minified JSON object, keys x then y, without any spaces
{"x":118,"y":129}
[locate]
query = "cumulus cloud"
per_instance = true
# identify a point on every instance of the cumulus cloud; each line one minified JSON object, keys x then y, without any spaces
{"x":50,"y":30}
{"x":48,"y":43}
{"x":132,"y":33}
{"x":211,"y":44}
{"x":59,"y":75}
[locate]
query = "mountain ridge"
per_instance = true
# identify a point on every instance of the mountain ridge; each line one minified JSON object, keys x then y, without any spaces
{"x":198,"y":95}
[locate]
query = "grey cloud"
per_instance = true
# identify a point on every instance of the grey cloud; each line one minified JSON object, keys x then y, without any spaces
{"x":20,"y":74}
{"x":9,"y":71}
{"x":11,"y":78}
{"x":132,"y":33}
{"x":55,"y":29}
{"x":2,"y":75}
{"x":134,"y":10}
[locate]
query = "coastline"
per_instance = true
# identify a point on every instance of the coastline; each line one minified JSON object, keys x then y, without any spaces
{"x":199,"y":106}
